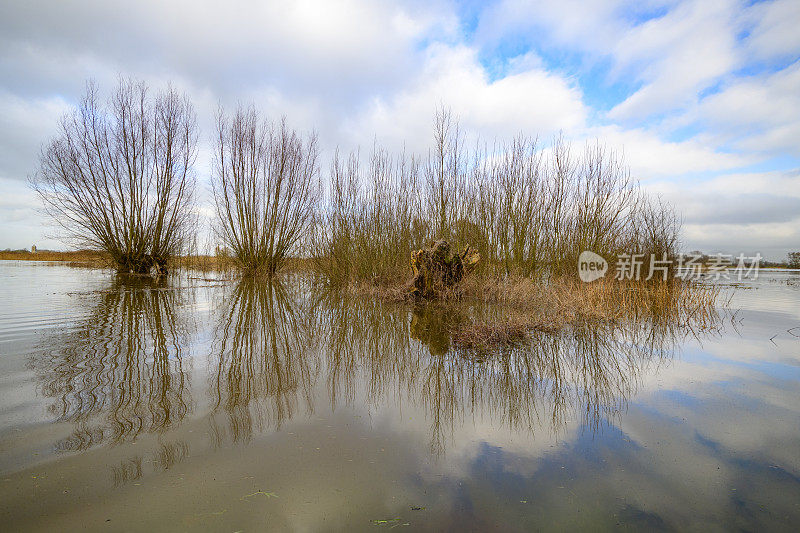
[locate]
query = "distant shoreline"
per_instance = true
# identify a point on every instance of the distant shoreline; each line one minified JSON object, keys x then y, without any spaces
{"x":90,"y":258}
{"x":78,"y":258}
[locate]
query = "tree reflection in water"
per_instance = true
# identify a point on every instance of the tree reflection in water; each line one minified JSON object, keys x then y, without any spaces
{"x":278,"y":346}
{"x":586,"y":374}
{"x":265,"y":366}
{"x":120,"y":372}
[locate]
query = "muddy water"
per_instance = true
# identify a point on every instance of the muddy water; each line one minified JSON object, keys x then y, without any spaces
{"x":200,"y":405}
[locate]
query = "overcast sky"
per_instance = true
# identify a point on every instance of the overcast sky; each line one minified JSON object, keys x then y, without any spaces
{"x":704,"y":95}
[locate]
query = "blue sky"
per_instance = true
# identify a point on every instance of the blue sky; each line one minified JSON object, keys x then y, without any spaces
{"x":702,"y":96}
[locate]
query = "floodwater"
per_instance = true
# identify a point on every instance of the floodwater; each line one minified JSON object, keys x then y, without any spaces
{"x":204,"y":405}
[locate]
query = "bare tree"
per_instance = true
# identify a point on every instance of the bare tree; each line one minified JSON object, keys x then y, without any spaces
{"x":265,"y":187}
{"x":656,"y":229}
{"x":118,"y":177}
{"x":445,"y":172}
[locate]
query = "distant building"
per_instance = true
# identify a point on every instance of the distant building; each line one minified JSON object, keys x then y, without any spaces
{"x":33,"y":248}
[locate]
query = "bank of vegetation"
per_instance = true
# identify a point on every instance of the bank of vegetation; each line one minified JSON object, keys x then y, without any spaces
{"x":528,"y":209}
{"x":119,"y":178}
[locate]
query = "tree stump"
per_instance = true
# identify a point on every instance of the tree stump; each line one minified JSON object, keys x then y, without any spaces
{"x":435,"y":270}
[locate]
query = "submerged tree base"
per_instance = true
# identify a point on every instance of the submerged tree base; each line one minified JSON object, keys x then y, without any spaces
{"x":142,"y":265}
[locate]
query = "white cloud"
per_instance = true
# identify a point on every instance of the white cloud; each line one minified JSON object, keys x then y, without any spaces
{"x":25,"y":123}
{"x":775,"y":33}
{"x":533,"y":101}
{"x":589,"y":25}
{"x":651,"y":157}
{"x":757,"y":113}
{"x":293,"y":45}
{"x":675,"y":56}
{"x":749,"y":212}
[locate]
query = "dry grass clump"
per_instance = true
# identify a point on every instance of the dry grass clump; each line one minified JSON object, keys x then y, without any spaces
{"x":491,"y":336}
{"x":603,"y":299}
{"x":530,"y":307}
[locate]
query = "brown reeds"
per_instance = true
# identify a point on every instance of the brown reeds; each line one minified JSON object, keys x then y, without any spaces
{"x":564,"y":303}
{"x":488,"y":336}
{"x":373,"y":219}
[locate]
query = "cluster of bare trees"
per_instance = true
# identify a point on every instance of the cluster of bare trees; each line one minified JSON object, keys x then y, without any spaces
{"x":119,"y":178}
{"x":526,"y":208}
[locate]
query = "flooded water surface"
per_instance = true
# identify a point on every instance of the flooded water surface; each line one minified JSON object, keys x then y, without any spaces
{"x":195,"y":404}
